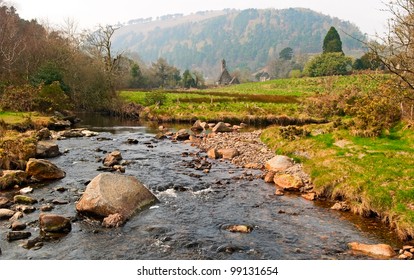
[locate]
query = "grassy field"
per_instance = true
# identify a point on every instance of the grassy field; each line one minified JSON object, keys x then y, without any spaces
{"x":249,"y":101}
{"x":14,"y":118}
{"x":374,"y":175}
{"x":215,"y":106}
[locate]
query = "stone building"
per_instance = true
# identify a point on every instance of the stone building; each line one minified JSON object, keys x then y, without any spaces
{"x":225,"y":77}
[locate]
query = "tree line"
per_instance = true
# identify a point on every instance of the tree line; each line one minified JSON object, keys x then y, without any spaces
{"x":45,"y":69}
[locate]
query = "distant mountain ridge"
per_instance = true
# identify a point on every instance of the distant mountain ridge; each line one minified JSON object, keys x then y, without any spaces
{"x":247,"y":39}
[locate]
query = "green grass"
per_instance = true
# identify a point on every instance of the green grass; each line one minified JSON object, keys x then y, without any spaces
{"x":22,"y":117}
{"x":250,"y":101}
{"x":375,"y":174}
{"x":186,"y":106}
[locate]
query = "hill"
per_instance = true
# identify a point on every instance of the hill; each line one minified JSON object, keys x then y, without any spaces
{"x":247,"y":39}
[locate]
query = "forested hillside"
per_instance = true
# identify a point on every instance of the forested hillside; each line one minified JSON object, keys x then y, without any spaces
{"x":246,"y":39}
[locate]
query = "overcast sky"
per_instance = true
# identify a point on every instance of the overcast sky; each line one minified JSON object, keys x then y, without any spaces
{"x":366,"y":14}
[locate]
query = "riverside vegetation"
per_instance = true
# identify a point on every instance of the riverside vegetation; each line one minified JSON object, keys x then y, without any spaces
{"x":356,"y":144}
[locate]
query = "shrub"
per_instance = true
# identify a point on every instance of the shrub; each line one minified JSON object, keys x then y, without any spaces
{"x":328,"y":64}
{"x":18,"y":98}
{"x":371,"y":113}
{"x":374,"y":113}
{"x":51,"y":98}
{"x":154,"y":98}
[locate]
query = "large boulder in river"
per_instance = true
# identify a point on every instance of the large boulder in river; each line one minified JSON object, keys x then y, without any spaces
{"x":41,"y":169}
{"x":279,"y":163}
{"x":109,"y":194}
{"x":47,"y":149}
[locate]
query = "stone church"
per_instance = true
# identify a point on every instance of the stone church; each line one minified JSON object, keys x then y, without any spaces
{"x":225,"y":77}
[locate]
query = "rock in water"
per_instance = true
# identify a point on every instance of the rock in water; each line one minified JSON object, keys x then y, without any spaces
{"x":6,"y":214}
{"x":17,"y":235}
{"x":42,"y":169}
{"x":47,"y":149}
{"x":114,"y":220}
{"x":109,"y":194}
{"x":54,"y":223}
{"x":378,"y":249}
{"x":112,"y":159}
{"x":221,"y":127}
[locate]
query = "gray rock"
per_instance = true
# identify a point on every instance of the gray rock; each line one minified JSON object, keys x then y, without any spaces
{"x":221,"y":127}
{"x":47,"y":149}
{"x":109,"y":194}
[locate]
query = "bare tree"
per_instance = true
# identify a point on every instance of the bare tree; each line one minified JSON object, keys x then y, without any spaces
{"x":11,"y":43}
{"x":99,"y":45}
{"x":395,"y":49}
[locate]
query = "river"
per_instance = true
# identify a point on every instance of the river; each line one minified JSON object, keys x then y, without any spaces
{"x":189,"y":221}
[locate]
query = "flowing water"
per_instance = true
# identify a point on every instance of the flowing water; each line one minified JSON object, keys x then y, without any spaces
{"x":189,"y":221}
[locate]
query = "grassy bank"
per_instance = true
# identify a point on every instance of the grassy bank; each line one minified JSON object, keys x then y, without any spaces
{"x":20,"y":118}
{"x":374,"y":175}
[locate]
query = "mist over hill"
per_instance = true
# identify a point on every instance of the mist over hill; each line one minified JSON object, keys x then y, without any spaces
{"x":247,"y":39}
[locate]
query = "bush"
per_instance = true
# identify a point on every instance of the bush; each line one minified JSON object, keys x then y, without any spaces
{"x":18,"y":98}
{"x":329,"y":64}
{"x":154,"y":98}
{"x":52,"y":98}
{"x":374,"y":113}
{"x":371,"y":113}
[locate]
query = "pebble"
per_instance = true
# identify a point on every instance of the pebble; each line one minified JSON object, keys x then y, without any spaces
{"x":406,"y":253}
{"x":47,"y":208}
{"x":26,"y":190}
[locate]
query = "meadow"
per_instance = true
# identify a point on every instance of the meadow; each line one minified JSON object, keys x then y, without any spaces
{"x":373,"y":175}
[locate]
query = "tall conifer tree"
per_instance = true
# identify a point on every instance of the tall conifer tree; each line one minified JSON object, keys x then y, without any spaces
{"x":332,"y":42}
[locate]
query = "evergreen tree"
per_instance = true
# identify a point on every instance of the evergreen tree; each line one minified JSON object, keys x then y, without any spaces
{"x":286,"y":54}
{"x":332,"y":42}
